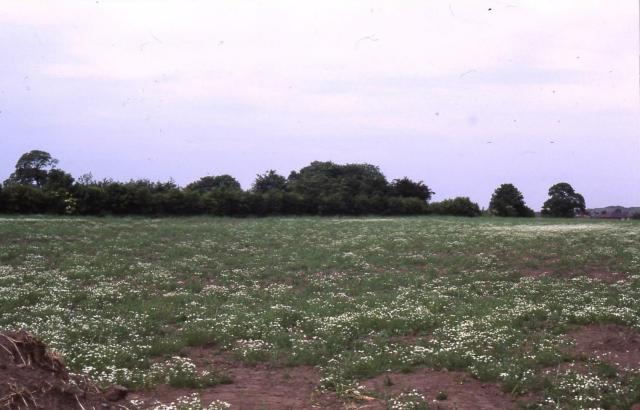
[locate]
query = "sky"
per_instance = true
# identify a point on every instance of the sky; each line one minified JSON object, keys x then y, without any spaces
{"x":461,"y":94}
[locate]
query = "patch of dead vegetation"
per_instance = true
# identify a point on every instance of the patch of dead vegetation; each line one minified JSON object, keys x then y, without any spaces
{"x":442,"y":390}
{"x":33,"y":377}
{"x":615,"y":344}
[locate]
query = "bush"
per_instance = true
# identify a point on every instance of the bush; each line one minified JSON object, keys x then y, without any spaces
{"x":26,"y":199}
{"x":407,"y":206}
{"x":292,"y":204}
{"x":176,"y":202}
{"x":226,"y":203}
{"x":459,"y":206}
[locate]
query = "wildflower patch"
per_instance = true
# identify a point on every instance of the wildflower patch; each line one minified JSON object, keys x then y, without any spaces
{"x":299,"y":311}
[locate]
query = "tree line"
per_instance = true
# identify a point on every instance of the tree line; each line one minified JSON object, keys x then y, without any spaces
{"x":37,"y":185}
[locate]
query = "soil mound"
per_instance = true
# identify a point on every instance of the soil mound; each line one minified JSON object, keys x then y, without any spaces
{"x":34,"y":377}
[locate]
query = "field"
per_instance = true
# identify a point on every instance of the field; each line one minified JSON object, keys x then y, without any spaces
{"x":421,"y":312}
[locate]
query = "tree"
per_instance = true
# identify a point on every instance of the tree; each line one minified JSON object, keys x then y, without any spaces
{"x":269,"y":182}
{"x":563,"y":201}
{"x":58,"y":180}
{"x":320,"y":178}
{"x":508,"y":201}
{"x":86,"y":179}
{"x":33,"y":168}
{"x":407,"y":188}
{"x":215,"y":183}
{"x":329,"y":188}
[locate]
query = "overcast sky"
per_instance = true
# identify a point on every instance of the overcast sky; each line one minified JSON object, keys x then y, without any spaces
{"x":462,"y":94}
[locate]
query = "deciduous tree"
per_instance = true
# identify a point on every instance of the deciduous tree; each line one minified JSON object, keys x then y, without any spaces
{"x":270,"y":181}
{"x":507,"y":200}
{"x":32,"y":168}
{"x":563,"y":201}
{"x":407,"y":188}
{"x":215,"y":183}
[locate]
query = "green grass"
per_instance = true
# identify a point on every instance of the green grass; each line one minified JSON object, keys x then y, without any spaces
{"x":115,"y":296}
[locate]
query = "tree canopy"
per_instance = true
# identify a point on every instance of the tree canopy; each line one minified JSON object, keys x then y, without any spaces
{"x":407,"y":188}
{"x":215,"y":183}
{"x":270,"y":181}
{"x":563,"y":201}
{"x":320,"y":188}
{"x":459,"y":206}
{"x":328,"y":188}
{"x":507,"y":200}
{"x":32,"y":168}
{"x":322,"y":178}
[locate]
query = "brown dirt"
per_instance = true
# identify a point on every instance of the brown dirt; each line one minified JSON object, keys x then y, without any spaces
{"x":605,"y":276}
{"x":33,"y":377}
{"x":266,"y":387}
{"x":616,"y":344}
{"x":535,"y":273}
{"x":254,"y":387}
{"x":410,"y":340}
{"x":462,"y":391}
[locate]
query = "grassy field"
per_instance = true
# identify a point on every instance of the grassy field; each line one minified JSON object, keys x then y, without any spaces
{"x":495,"y":298}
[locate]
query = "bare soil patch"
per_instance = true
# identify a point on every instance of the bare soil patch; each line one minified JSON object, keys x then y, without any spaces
{"x":253,"y":387}
{"x":461,"y":390}
{"x":33,"y":377}
{"x":616,"y":344}
{"x":535,"y":273}
{"x":606,"y":276}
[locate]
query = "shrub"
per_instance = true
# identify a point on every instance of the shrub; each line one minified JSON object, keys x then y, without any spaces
{"x":459,"y":206}
{"x":25,"y":199}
